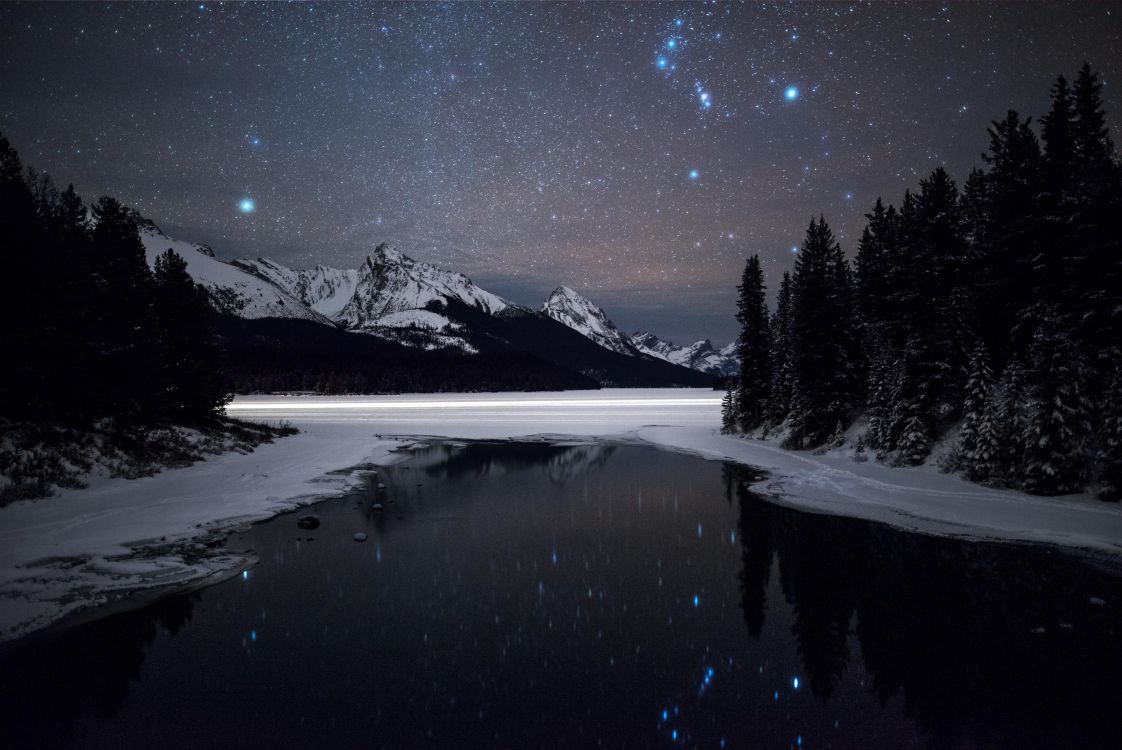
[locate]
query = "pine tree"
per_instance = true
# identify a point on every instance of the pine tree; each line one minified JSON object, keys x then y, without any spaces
{"x":1109,"y":452}
{"x":821,"y":335}
{"x":878,"y":398}
{"x":874,"y":253}
{"x":23,"y":389}
{"x":1059,"y":422}
{"x":189,"y":353}
{"x":915,"y":442}
{"x":973,"y":448}
{"x":1058,"y":136}
{"x":1008,"y":416}
{"x":753,"y":348}
{"x":779,"y":400}
{"x":728,"y":411}
{"x":1092,"y":136}
{"x":127,"y":374}
{"x":1094,"y":241}
{"x":1004,"y":274}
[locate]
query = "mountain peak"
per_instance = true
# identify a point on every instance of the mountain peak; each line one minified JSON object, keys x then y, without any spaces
{"x":570,"y":308}
{"x":700,"y":355}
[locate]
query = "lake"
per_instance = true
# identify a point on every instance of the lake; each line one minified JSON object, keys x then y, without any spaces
{"x":521,"y":595}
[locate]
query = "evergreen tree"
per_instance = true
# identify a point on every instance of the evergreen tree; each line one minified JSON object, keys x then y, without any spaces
{"x":1058,"y":135}
{"x":782,"y":375}
{"x":1009,"y":420}
{"x":1093,"y":147}
{"x":22,"y":387}
{"x":1109,"y":452}
{"x":1004,"y":278}
{"x":190,"y":355}
{"x":753,"y":348}
{"x":728,"y":411}
{"x":1059,"y":424}
{"x":974,"y":454}
{"x":874,"y":253}
{"x":821,"y":339}
{"x":127,"y":368}
{"x":1095,"y":243}
{"x":879,"y":389}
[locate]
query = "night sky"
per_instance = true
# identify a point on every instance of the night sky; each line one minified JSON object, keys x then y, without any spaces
{"x":635,"y":152}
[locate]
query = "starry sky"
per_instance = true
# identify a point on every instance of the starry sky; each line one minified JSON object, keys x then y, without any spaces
{"x":636,"y":152}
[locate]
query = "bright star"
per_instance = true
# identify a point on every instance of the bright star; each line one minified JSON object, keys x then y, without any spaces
{"x":246,"y":205}
{"x":694,"y":174}
{"x":677,"y":22}
{"x":662,"y":62}
{"x":792,"y":93}
{"x":671,"y":43}
{"x":794,"y":249}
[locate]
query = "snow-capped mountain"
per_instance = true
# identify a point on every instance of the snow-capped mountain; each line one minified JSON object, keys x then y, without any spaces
{"x":699,"y":355}
{"x":390,"y":295}
{"x":583,"y":316}
{"x":415,"y":304}
{"x":391,"y":284}
{"x":326,"y":290}
{"x":231,"y":289}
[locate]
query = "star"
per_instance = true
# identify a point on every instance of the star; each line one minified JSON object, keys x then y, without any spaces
{"x":247,"y":205}
{"x":662,"y":62}
{"x":694,"y":174}
{"x":792,"y":93}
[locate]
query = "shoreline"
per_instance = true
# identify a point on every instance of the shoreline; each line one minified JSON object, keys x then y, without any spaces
{"x":68,"y":554}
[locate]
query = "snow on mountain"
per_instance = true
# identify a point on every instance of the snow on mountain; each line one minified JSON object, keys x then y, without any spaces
{"x":579,"y":313}
{"x":231,"y":289}
{"x":326,"y":290}
{"x":699,"y":355}
{"x":390,"y":282}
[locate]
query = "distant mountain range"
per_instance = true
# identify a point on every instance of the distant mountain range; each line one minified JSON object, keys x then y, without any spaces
{"x":393,"y":305}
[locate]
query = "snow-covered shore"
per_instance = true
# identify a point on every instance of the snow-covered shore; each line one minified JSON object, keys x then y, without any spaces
{"x":86,"y":547}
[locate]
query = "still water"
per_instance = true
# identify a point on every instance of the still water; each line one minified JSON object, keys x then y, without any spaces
{"x":529,"y":595}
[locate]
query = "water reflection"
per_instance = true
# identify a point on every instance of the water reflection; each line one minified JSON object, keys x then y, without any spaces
{"x":559,"y":462}
{"x":988,"y":645}
{"x":529,"y":595}
{"x":49,"y":682}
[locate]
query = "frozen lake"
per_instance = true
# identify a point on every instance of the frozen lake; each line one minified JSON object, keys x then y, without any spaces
{"x":583,"y":595}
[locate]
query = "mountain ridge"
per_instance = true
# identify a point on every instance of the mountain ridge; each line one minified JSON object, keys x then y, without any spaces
{"x":416,"y":304}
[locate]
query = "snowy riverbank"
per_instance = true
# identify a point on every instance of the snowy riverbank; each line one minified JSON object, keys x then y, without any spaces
{"x":86,"y":547}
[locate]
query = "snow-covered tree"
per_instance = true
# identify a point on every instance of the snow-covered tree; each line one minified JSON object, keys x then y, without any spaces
{"x":974,"y":450}
{"x":1059,"y":422}
{"x":1110,"y":439}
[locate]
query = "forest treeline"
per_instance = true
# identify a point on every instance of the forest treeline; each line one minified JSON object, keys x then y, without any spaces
{"x":90,"y":331}
{"x":994,"y":310}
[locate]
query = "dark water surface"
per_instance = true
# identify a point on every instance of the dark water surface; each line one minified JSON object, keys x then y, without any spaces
{"x":527,"y":595}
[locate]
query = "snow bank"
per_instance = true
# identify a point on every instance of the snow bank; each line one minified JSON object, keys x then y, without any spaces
{"x":86,"y":547}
